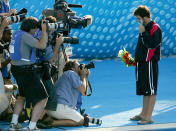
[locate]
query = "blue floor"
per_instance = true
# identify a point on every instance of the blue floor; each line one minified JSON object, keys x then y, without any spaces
{"x":169,"y":129}
{"x":114,"y":97}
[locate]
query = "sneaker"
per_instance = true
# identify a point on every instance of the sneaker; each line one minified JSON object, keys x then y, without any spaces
{"x":16,"y":127}
{"x":35,"y":129}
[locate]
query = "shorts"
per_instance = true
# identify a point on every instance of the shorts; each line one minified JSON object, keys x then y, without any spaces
{"x":29,"y":83}
{"x":65,"y":112}
{"x":146,"y":78}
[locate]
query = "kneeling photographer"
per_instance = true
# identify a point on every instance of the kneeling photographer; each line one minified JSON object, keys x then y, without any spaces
{"x":72,"y":82}
{"x":67,"y":89}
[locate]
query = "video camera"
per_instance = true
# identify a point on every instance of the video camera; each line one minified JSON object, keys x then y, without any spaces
{"x":66,"y":19}
{"x":14,"y":18}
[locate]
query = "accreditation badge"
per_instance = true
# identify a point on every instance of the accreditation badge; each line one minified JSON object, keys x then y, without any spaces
{"x":68,"y":51}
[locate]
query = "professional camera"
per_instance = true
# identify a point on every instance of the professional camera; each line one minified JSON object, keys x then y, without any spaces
{"x":71,"y":40}
{"x":88,"y":66}
{"x":88,"y":120}
{"x":65,"y":16}
{"x":58,"y":26}
{"x":51,"y":26}
{"x":14,"y":18}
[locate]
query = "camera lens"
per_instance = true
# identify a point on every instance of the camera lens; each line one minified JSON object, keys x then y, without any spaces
{"x":16,"y":18}
{"x":90,"y":65}
{"x":92,"y":120}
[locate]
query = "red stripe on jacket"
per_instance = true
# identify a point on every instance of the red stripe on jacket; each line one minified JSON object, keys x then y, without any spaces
{"x":151,"y":52}
{"x":154,"y":28}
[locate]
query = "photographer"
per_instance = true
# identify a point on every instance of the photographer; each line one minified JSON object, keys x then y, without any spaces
{"x":6,"y":73}
{"x":46,"y":58}
{"x":3,"y":96}
{"x":62,"y":58}
{"x":3,"y":24}
{"x":5,"y":59}
{"x":68,"y":87}
{"x":24,"y":69}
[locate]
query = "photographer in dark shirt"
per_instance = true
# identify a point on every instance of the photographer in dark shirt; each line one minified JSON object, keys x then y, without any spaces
{"x":5,"y":59}
{"x":3,"y":96}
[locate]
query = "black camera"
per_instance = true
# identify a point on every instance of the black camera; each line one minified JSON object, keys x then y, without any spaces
{"x":88,"y":66}
{"x":88,"y":120}
{"x":65,"y":16}
{"x":71,"y":40}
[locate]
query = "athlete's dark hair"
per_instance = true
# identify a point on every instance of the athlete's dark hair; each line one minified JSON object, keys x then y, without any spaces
{"x":29,"y":23}
{"x":142,"y":11}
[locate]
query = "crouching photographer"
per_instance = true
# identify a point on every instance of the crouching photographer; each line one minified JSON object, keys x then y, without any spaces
{"x":68,"y":86}
{"x":72,"y":82}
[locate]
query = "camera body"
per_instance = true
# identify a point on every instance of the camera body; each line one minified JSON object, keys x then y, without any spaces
{"x":65,"y":17}
{"x":88,"y":66}
{"x":72,"y":40}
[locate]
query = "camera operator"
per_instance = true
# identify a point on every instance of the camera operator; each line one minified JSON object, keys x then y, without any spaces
{"x":5,"y":8}
{"x":68,"y":87}
{"x":3,"y":96}
{"x":23,"y":57}
{"x":46,"y":58}
{"x":5,"y":59}
{"x":6,"y":73}
{"x":3,"y":24}
{"x":62,"y":58}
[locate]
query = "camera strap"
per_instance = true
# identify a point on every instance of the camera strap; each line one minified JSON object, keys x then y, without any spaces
{"x":64,"y":53}
{"x":90,"y":87}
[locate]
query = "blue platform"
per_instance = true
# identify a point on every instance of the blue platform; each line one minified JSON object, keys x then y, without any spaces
{"x":114,"y":100}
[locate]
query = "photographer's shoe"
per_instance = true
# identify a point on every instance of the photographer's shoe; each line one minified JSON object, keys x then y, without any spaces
{"x":16,"y":127}
{"x":35,"y":129}
{"x":42,"y":125}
